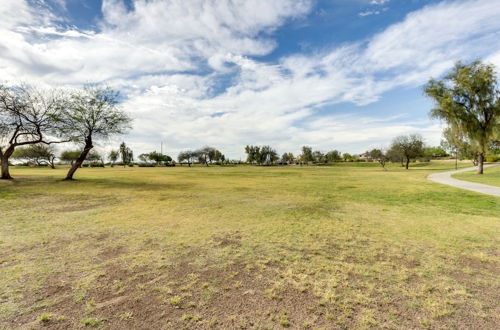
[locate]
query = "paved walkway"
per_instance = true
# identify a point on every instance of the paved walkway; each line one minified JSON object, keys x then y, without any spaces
{"x":445,"y":178}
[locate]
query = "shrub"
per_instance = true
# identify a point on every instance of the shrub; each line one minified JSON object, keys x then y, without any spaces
{"x":146,"y":165}
{"x":493,"y":158}
{"x":96,"y":165}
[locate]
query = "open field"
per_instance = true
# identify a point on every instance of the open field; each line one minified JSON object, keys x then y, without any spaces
{"x":247,"y":247}
{"x":491,"y":176}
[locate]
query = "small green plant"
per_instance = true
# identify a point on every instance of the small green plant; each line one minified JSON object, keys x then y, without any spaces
{"x":126,"y":316}
{"x":285,"y":320}
{"x":92,"y":321}
{"x":90,"y":307}
{"x":79,"y":296}
{"x":175,"y":301}
{"x":191,"y":317}
{"x":45,"y":317}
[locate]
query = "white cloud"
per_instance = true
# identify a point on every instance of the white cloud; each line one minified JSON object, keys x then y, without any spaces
{"x":369,"y":13}
{"x":379,"y":2}
{"x":238,"y":100}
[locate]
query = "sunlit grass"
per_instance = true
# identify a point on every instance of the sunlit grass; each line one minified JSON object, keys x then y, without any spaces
{"x":330,"y":246}
{"x":490,"y":176}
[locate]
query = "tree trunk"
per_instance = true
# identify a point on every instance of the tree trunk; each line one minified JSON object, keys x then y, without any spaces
{"x":78,"y":163}
{"x":5,"y":169}
{"x":480,"y":163}
{"x":5,"y":164}
{"x":407,"y":165}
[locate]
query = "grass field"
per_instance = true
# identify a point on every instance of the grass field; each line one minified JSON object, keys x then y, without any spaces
{"x":247,"y":247}
{"x":491,"y":176}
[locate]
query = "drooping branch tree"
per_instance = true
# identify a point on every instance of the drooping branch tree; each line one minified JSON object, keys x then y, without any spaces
{"x":38,"y":154}
{"x":91,"y":114}
{"x":187,"y":156}
{"x":70,"y":156}
{"x":468,"y":100}
{"x":27,"y":116}
{"x":156,"y":157}
{"x":208,"y":155}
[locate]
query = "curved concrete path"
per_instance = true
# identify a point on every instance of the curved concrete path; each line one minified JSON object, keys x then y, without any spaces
{"x":445,"y":178}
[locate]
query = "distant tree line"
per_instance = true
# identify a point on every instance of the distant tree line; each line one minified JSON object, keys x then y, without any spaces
{"x":32,"y":120}
{"x":205,"y":156}
{"x":404,"y":149}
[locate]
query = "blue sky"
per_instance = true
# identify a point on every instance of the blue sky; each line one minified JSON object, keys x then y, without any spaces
{"x":332,"y":74}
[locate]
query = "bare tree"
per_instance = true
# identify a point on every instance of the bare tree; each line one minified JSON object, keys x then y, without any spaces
{"x":91,"y":114}
{"x":27,"y":116}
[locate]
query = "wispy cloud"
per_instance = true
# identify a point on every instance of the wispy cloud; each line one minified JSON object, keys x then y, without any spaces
{"x":372,"y":12}
{"x":379,"y":2}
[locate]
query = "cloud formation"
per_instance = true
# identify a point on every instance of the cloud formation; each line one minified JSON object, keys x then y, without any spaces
{"x":192,"y":73}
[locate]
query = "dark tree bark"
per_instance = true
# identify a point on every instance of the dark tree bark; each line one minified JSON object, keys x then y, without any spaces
{"x":78,"y":163}
{"x":51,"y":162}
{"x":407,"y":165}
{"x":5,"y":163}
{"x":480,"y":163}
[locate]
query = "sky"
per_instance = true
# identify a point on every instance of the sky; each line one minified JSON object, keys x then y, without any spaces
{"x":331,"y":74}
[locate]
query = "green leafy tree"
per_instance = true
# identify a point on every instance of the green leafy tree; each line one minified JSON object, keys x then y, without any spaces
{"x":113,"y":157}
{"x":126,"y":154}
{"x":159,"y":158}
{"x":307,"y":155}
{"x":434,"y":152}
{"x":70,"y":156}
{"x":187,"y":156}
{"x":468,"y":100}
{"x":319,"y":157}
{"x":206,"y":155}
{"x":334,"y":156}
{"x":253,"y":154}
{"x":287,"y":158}
{"x":37,"y":154}
{"x":268,"y":155}
{"x":408,"y":147}
{"x":347,"y":157}
{"x":379,"y":156}
{"x":94,"y":157}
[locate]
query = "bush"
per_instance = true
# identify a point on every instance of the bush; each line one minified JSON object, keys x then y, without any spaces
{"x":96,"y":165}
{"x":493,"y":158}
{"x":146,"y":165}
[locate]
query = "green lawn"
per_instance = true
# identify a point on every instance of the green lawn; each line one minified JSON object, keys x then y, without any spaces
{"x":247,"y":247}
{"x":490,"y":176}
